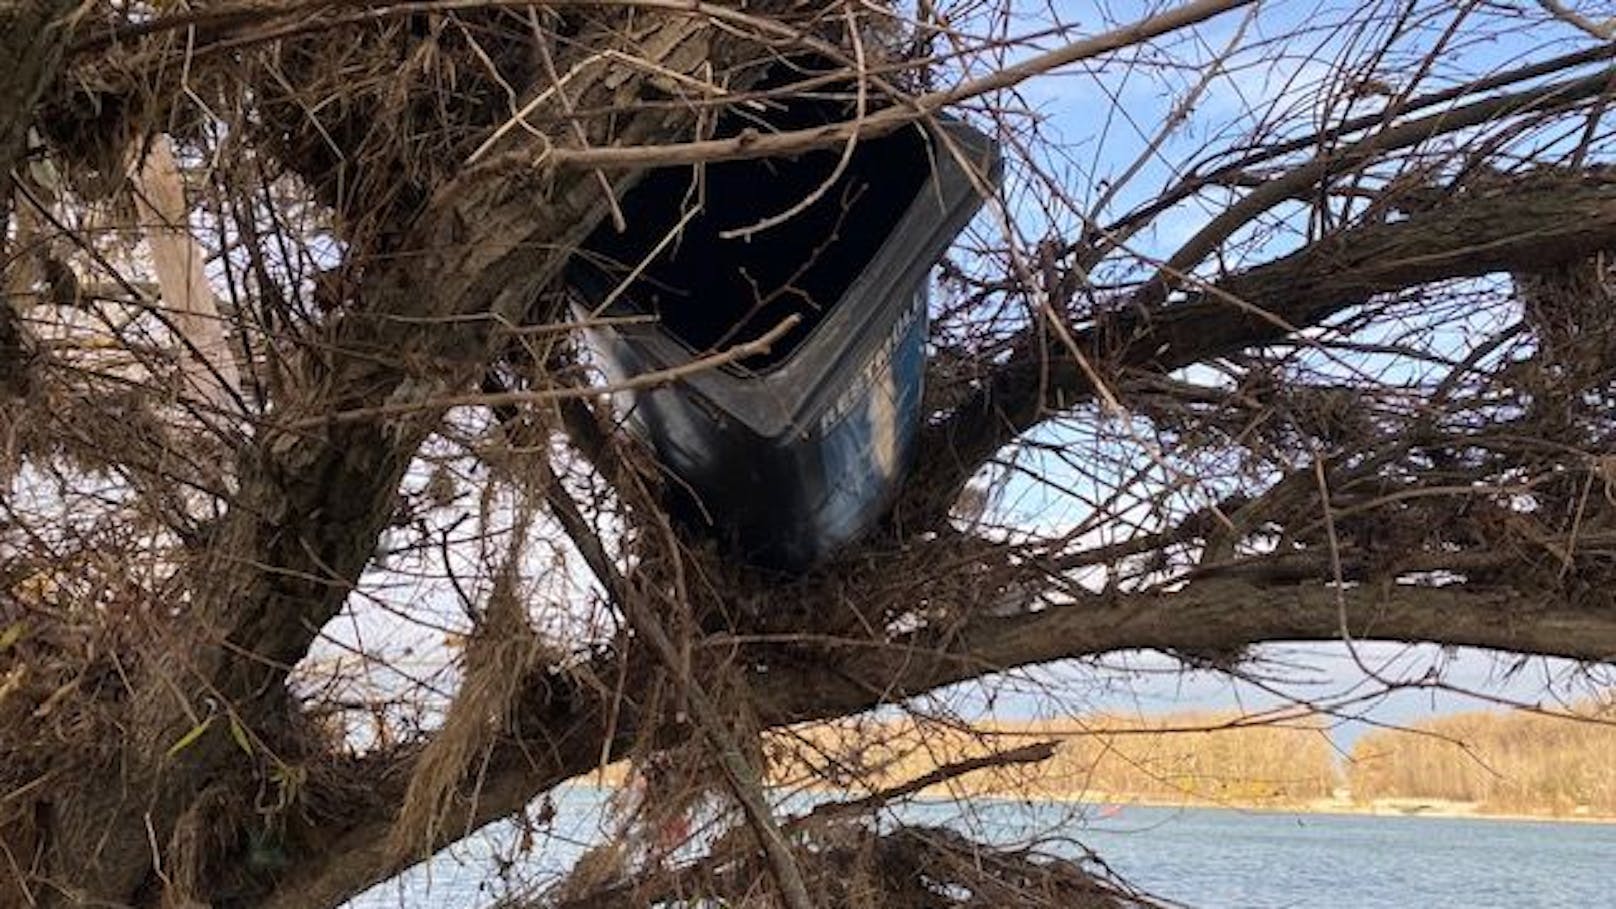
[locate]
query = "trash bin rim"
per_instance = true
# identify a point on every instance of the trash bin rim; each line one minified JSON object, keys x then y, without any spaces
{"x":781,"y":398}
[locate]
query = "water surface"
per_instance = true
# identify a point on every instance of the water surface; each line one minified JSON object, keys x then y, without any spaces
{"x":1196,"y":856}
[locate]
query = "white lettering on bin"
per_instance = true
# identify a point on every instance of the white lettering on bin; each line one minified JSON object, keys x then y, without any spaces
{"x":879,"y":365}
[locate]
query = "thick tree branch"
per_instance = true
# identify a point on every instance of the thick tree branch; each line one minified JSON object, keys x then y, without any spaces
{"x":801,"y":682}
{"x":1339,"y":161}
{"x":33,"y":34}
{"x":1542,"y":220}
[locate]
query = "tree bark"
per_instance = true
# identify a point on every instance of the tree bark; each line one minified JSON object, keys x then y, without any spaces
{"x":33,"y":35}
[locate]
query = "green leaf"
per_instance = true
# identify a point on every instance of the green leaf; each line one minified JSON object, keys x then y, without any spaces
{"x":189,"y":738}
{"x":240,"y":735}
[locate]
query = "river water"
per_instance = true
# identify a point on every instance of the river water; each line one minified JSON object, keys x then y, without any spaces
{"x":1196,"y":856}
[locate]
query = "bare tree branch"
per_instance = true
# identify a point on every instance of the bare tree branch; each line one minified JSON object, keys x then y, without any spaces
{"x":806,"y":682}
{"x":1522,"y":224}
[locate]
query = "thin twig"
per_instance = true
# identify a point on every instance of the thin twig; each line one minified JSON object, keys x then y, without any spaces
{"x":744,"y":779}
{"x":752,"y":145}
{"x":640,"y":382}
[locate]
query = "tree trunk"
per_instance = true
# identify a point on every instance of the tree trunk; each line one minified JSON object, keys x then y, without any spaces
{"x":32,"y":36}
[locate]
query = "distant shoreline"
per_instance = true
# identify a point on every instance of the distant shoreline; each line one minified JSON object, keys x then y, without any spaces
{"x":1385,"y":807}
{"x":1398,"y":808}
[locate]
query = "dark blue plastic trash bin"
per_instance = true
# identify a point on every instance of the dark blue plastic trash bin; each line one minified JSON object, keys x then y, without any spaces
{"x":787,"y":456}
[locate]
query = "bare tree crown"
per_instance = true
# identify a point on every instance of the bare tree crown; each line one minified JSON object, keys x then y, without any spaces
{"x":320,"y":548}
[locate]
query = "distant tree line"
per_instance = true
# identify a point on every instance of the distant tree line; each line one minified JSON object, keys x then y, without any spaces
{"x":1514,"y":762}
